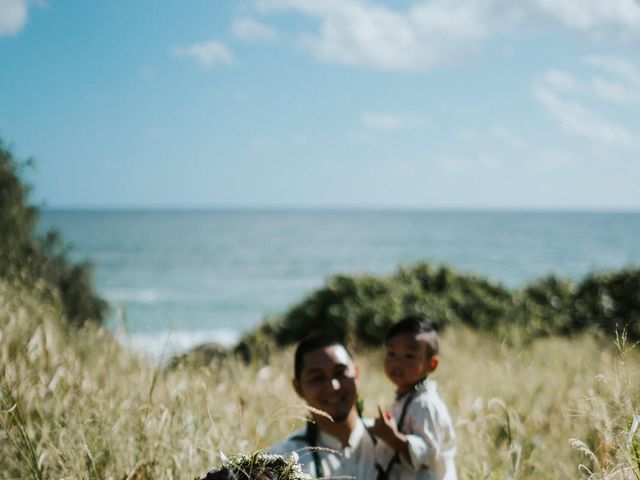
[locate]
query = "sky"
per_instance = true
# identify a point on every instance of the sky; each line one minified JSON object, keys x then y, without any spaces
{"x":480,"y":104}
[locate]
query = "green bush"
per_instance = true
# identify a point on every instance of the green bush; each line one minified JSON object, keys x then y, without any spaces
{"x":610,"y":301}
{"x":448,"y":297}
{"x":28,"y":258}
{"x":361,"y":309}
{"x":546,"y":307}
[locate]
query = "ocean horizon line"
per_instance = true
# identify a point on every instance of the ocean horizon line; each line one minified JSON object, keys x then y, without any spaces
{"x":337,"y":209}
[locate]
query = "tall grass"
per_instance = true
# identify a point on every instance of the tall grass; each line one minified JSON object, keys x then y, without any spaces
{"x":77,"y":405}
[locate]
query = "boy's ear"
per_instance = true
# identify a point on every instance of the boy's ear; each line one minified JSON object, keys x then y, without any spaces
{"x":433,"y":363}
{"x":297,"y":387}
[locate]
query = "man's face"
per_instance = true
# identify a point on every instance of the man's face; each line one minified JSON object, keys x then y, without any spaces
{"x":328,"y":381}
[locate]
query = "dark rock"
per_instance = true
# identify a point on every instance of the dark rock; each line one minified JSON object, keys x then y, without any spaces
{"x":200,"y":356}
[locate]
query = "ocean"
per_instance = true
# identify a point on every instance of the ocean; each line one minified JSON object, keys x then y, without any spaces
{"x":179,"y":278}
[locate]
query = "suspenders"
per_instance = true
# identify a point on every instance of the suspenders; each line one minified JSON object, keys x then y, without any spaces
{"x":383,"y":473}
{"x":310,"y":437}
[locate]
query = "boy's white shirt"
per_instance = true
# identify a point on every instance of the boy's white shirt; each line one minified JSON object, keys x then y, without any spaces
{"x":356,"y":460}
{"x":431,"y":436}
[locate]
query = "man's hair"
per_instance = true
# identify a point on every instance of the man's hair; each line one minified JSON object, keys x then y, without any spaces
{"x":417,"y":324}
{"x":311,"y":343}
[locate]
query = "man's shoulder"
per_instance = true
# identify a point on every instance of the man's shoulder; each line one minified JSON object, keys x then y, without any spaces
{"x":293,"y":442}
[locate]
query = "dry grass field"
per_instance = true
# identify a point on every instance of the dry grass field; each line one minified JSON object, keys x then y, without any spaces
{"x":76,"y":405}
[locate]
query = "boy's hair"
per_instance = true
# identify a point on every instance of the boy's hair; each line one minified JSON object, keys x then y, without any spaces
{"x":417,"y":324}
{"x":311,"y":343}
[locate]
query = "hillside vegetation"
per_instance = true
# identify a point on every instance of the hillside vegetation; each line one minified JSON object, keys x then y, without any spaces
{"x":362,"y":308}
{"x":26,"y":258}
{"x":76,"y":405}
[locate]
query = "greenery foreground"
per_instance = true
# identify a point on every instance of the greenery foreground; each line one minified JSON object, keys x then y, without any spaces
{"x":75,"y":404}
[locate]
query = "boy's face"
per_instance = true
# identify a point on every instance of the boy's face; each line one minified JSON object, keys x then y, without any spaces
{"x":407,"y":360}
{"x":328,"y":381}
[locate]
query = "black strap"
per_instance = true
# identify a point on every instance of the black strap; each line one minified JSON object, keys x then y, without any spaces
{"x":383,"y":473}
{"x":310,"y":437}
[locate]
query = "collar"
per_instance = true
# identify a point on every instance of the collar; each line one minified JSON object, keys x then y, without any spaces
{"x":423,"y":385}
{"x":354,"y":438}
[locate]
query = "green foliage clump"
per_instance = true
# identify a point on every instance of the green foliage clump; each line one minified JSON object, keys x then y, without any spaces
{"x":610,"y":300}
{"x":258,"y":466}
{"x":362,"y":308}
{"x":28,"y":258}
{"x":546,"y":306}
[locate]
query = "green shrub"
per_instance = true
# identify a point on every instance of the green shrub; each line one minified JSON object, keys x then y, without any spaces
{"x":360,"y":309}
{"x":28,"y":258}
{"x":546,"y":307}
{"x":610,"y":301}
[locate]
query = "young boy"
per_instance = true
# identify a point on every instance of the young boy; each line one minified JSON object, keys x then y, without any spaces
{"x":417,"y":436}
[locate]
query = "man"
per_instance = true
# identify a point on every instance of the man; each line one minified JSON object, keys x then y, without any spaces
{"x":335,"y":442}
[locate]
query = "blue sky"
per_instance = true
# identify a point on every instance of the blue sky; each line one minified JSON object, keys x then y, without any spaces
{"x":325,"y":103}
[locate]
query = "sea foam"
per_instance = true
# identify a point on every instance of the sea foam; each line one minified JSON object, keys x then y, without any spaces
{"x":162,"y":345}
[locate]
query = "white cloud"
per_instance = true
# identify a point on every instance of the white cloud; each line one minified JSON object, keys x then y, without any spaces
{"x":560,"y":80}
{"x":359,"y":33}
{"x":571,"y":100}
{"x":430,"y":33}
{"x":578,"y":120}
{"x":617,"y":66}
{"x":207,"y":54}
{"x":622,"y":82}
{"x":13,"y":16}
{"x":614,"y":91}
{"x":506,"y":136}
{"x":468,"y":135}
{"x":594,"y":17}
{"x":387,"y":121}
{"x":554,"y":160}
{"x":498,"y":132}
{"x":361,"y":137}
{"x":469,"y":165}
{"x":249,"y":30}
{"x":488,"y":161}
{"x":455,"y":164}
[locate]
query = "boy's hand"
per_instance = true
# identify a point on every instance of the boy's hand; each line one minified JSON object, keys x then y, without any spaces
{"x":386,"y":429}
